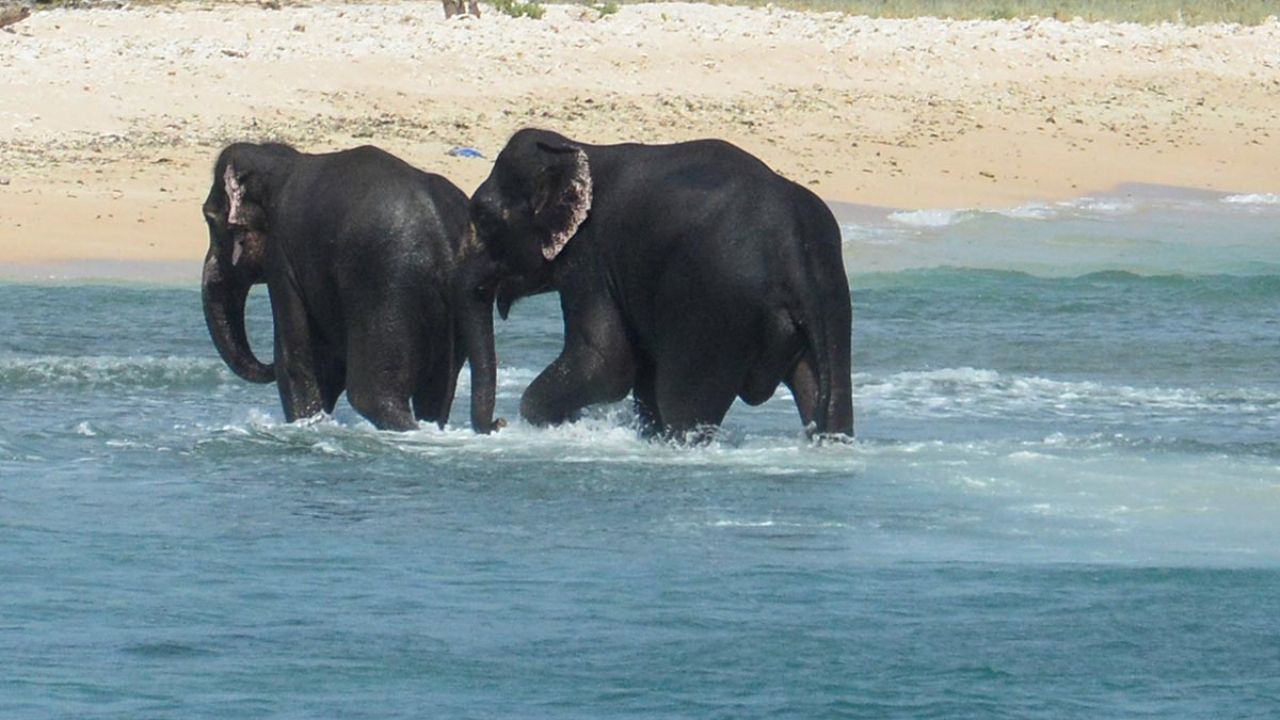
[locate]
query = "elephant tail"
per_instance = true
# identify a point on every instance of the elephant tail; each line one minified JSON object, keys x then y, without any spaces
{"x":828,"y":324}
{"x":838,"y":345}
{"x":825,"y":329}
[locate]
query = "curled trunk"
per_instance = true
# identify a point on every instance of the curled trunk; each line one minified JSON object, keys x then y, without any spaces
{"x":224,"y":299}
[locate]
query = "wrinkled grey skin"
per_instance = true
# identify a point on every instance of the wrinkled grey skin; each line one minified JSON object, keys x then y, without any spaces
{"x":688,"y":275}
{"x":378,"y":286}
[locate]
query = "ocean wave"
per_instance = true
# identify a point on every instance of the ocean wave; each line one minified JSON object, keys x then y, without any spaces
{"x":966,"y":391}
{"x":41,"y":371}
{"x":858,"y":234}
{"x":1261,"y":280}
{"x":1030,"y":211}
{"x":1253,"y":199}
{"x":1107,"y":206}
{"x":172,"y":372}
{"x":1157,"y":444}
{"x":1087,"y":206}
{"x":936,"y":218}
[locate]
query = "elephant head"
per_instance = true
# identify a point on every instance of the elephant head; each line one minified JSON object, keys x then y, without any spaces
{"x":239,"y":233}
{"x":530,"y":207}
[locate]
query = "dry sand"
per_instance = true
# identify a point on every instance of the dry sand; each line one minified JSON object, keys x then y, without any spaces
{"x":110,"y":119}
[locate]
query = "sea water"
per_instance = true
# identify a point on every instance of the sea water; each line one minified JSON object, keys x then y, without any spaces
{"x":1063,"y":502}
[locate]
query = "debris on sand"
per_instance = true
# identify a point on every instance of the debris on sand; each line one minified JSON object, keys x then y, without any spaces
{"x":465,"y":152}
{"x":11,"y":14}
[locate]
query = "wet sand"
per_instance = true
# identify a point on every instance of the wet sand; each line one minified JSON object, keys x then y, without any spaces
{"x":110,"y":119}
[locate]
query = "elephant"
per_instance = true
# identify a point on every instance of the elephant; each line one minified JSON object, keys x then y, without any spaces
{"x":377,"y":282}
{"x":689,"y":274}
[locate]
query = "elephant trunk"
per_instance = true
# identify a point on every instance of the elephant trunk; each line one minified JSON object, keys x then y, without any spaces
{"x":224,"y":298}
{"x":476,"y":329}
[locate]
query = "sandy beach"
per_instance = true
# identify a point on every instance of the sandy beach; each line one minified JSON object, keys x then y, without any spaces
{"x":110,"y":118}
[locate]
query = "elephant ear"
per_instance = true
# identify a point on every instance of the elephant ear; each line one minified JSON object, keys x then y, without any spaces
{"x":233,"y":183}
{"x":245,"y":216}
{"x":562,"y":196}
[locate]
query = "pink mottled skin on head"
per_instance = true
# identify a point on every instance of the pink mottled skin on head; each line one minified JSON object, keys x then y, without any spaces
{"x":235,"y":197}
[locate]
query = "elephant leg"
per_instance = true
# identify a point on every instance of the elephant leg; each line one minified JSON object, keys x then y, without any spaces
{"x":802,"y":381}
{"x":331,"y":377}
{"x":645,"y":394}
{"x":707,"y":340}
{"x":381,"y":376}
{"x":296,"y":368}
{"x":596,"y":366}
{"x":386,"y":407}
{"x":696,"y":384}
{"x":782,"y":348}
{"x":433,"y":399}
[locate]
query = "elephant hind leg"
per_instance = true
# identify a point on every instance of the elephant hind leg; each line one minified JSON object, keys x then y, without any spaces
{"x":802,"y":380}
{"x":437,"y":385}
{"x":696,"y":385}
{"x":387,"y":411}
{"x":782,"y":347}
{"x":703,"y":359}
{"x":381,"y":377}
{"x":693,"y":399}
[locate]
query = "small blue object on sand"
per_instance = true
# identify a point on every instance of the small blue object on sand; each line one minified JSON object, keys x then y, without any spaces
{"x":466,"y":152}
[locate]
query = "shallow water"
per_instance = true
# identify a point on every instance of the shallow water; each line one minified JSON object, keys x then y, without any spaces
{"x":1063,"y":502}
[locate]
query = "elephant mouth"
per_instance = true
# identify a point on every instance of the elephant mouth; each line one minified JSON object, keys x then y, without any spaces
{"x":505,"y":299}
{"x":511,"y":289}
{"x":247,"y":249}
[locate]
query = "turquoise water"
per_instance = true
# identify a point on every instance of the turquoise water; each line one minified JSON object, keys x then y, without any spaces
{"x":1064,"y":502}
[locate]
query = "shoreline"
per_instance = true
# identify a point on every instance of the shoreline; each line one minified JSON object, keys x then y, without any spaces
{"x":107,"y":156}
{"x":185,"y":272}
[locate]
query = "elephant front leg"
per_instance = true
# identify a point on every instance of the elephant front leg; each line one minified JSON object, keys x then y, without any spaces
{"x":296,"y":368}
{"x":583,"y":375}
{"x":646,"y":399}
{"x":597,"y":365}
{"x":300,"y":392}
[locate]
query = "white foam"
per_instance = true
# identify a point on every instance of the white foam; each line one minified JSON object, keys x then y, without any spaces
{"x":146,"y":371}
{"x":1030,"y":211}
{"x":759,"y":524}
{"x":854,"y":233}
{"x":929,"y":218}
{"x":744,"y":523}
{"x":987,"y":393}
{"x":329,"y":448}
{"x":1253,"y":199}
{"x":1100,"y":206}
{"x":606,"y":436}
